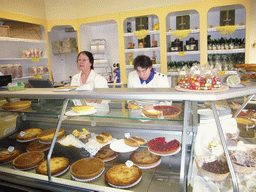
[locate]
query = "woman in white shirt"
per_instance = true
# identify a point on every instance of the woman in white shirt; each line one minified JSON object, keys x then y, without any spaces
{"x":87,"y":77}
{"x":145,"y":76}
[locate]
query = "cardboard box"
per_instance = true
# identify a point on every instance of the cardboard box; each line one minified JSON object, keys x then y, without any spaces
{"x":24,"y":30}
{"x":182,"y":22}
{"x":227,"y":17}
{"x":4,"y":31}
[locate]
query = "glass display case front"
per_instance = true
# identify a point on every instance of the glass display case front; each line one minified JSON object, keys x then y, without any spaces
{"x":152,"y":143}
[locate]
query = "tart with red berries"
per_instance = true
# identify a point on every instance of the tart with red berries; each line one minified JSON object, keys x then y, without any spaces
{"x":168,"y":111}
{"x":161,"y":146}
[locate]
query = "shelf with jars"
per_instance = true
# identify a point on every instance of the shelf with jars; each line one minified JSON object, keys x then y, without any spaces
{"x":23,"y":51}
{"x":226,"y":36}
{"x":142,"y":36}
{"x":183,"y":44}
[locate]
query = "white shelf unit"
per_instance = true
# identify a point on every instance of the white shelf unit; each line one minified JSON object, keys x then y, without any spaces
{"x":63,"y":65}
{"x":155,"y":66}
{"x":10,"y":53}
{"x":129,"y":37}
{"x":150,"y":49}
{"x":25,"y":78}
{"x":227,"y":51}
{"x":187,"y":53}
{"x":107,"y":30}
{"x":195,"y":33}
{"x":213,"y":29}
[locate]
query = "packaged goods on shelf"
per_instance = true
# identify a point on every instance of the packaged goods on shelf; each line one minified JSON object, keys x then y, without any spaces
{"x":41,"y":70}
{"x":15,"y":70}
{"x":69,"y":42}
{"x":178,"y":65}
{"x":67,"y":45}
{"x":56,"y":47}
{"x":4,"y":31}
{"x":24,"y":30}
{"x":29,"y":53}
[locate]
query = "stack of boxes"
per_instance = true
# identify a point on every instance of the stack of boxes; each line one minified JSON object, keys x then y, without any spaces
{"x":67,"y":45}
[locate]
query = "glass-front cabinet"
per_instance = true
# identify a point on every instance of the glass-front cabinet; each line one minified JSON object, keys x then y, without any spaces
{"x":226,"y":36}
{"x":142,"y":37}
{"x":183,"y":39}
{"x":164,"y":122}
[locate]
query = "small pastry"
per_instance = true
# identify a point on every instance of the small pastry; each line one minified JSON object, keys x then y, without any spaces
{"x":139,"y":140}
{"x":131,"y":142}
{"x":103,"y":134}
{"x":76,"y":133}
{"x":101,"y":139}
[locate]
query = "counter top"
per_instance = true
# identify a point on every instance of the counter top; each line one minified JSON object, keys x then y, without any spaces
{"x":132,"y":94}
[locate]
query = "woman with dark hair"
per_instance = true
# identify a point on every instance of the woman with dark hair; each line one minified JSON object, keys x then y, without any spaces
{"x":87,"y":76}
{"x":145,"y":76}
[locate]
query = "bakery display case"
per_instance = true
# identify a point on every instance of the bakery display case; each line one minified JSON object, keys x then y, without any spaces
{"x":83,"y":133}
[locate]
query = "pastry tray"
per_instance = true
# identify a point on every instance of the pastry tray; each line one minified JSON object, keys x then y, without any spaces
{"x":121,"y":147}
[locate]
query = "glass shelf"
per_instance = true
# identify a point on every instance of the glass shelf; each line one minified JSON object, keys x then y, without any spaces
{"x":127,"y":114}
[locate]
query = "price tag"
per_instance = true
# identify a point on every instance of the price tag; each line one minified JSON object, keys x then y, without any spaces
{"x":37,"y":77}
{"x":10,"y":149}
{"x":222,"y":73}
{"x":12,"y":84}
{"x":35,"y":59}
{"x":181,"y":53}
{"x":22,"y":133}
{"x":127,"y":135}
{"x":129,"y":163}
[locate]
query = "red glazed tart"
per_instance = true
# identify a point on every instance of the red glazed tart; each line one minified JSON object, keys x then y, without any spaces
{"x":160,"y":146}
{"x":168,"y":111}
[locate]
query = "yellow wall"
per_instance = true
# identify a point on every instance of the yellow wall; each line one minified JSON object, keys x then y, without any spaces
{"x":32,"y":8}
{"x":73,"y":9}
{"x":77,"y":12}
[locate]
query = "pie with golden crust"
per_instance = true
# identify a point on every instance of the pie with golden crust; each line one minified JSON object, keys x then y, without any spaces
{"x":7,"y":155}
{"x":87,"y":168}
{"x":142,"y":157}
{"x":155,"y":114}
{"x":28,"y":134}
{"x":47,"y":135}
{"x":57,"y":165}
{"x":28,"y":160}
{"x":121,"y":175}
{"x":16,"y":105}
{"x":106,"y":154}
{"x":37,"y":146}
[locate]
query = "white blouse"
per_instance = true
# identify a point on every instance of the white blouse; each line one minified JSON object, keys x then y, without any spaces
{"x":159,"y":81}
{"x":94,"y":80}
{"x":97,"y":80}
